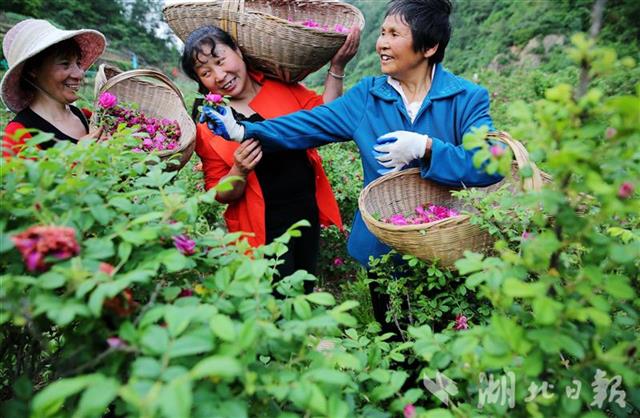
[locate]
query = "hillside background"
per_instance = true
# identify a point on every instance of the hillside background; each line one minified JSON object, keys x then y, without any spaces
{"x":515,"y":48}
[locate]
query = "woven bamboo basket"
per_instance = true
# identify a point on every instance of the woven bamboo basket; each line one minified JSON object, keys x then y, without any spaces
{"x":447,"y":239}
{"x":157,"y":96}
{"x":266,"y":32}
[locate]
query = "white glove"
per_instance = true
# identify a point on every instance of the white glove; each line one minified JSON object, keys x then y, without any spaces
{"x":221,"y":122}
{"x":399,"y":148}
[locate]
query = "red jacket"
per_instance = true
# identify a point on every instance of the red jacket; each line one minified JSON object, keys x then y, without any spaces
{"x":246,"y":214}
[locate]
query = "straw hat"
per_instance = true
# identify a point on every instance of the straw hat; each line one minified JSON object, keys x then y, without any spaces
{"x":31,"y":36}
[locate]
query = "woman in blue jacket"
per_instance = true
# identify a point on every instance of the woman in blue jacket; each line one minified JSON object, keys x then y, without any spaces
{"x":414,"y":115}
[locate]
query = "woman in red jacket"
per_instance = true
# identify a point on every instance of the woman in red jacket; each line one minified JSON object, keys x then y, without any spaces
{"x":278,"y":189}
{"x":46,"y":70}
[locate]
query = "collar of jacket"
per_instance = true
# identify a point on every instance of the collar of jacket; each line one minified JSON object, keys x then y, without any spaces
{"x":444,"y":84}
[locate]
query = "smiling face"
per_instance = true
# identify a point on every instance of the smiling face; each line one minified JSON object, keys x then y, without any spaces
{"x":395,"y":49}
{"x":61,"y":76}
{"x":223,"y":71}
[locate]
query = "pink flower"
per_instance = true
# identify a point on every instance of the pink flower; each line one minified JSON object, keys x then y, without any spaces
{"x":409,"y":411}
{"x":38,"y":242}
{"x":106,"y":268}
{"x":496,"y":150}
{"x":115,"y":342}
{"x":185,"y":293}
{"x":151,"y":129}
{"x":338,"y":261}
{"x":610,"y":132}
{"x":213,"y":98}
{"x":107,"y":100}
{"x":626,"y":190}
{"x":461,"y":323}
{"x":184,"y":244}
{"x":341,"y":29}
{"x":525,"y":235}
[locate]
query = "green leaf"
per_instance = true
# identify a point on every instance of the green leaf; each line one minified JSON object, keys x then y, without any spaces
{"x":98,"y":248}
{"x":217,"y":366}
{"x":302,"y":308}
{"x":546,"y":310}
{"x":178,"y":319}
{"x":437,"y":413}
{"x":176,"y":398}
{"x":96,"y":399}
{"x":173,"y":260}
{"x":471,"y":263}
{"x":618,"y":287}
{"x":328,"y":376}
{"x":124,"y":251}
{"x":199,"y":341}
{"x":321,"y":298}
{"x":51,"y":280}
{"x":155,"y":339}
{"x":517,"y":288}
{"x":146,"y":367}
{"x":222,"y":326}
{"x":49,"y":401}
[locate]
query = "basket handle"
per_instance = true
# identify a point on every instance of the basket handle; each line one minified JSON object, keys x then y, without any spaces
{"x":533,"y":183}
{"x":142,"y":73}
{"x":228,"y":25}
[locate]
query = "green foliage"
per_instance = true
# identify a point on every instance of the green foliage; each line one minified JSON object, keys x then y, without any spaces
{"x":134,"y":326}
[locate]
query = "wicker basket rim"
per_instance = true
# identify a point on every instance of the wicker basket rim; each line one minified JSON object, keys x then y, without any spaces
{"x":166,"y":84}
{"x":357,"y":12}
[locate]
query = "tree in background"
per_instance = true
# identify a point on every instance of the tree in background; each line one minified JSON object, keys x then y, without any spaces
{"x":129,"y":25}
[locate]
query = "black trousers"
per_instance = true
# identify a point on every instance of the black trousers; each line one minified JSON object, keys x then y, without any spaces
{"x":302,"y":251}
{"x":381,"y":303}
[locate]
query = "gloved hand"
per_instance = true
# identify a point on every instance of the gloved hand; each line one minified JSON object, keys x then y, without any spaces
{"x":399,"y":148}
{"x":221,"y":122}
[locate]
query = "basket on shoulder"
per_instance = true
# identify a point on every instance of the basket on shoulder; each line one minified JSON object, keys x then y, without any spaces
{"x":151,"y":102}
{"x":285,"y":39}
{"x":445,"y":239}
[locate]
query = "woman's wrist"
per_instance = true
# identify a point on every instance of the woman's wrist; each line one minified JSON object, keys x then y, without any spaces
{"x":336,"y":72}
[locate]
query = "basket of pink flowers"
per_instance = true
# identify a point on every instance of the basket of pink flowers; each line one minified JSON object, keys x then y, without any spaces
{"x":150,"y":104}
{"x":422,"y":218}
{"x":286,"y":39}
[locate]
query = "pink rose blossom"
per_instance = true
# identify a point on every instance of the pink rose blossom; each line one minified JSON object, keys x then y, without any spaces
{"x":525,"y":235}
{"x":409,"y":411}
{"x":338,"y":261}
{"x":461,"y":323}
{"x":115,"y":342}
{"x":496,"y":150}
{"x":107,"y":100}
{"x":213,"y":98}
{"x":184,"y":244}
{"x":38,"y":242}
{"x":626,"y":190}
{"x":610,"y":132}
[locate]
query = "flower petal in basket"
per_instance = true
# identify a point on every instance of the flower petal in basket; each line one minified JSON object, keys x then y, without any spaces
{"x":157,"y":97}
{"x":267,"y":32}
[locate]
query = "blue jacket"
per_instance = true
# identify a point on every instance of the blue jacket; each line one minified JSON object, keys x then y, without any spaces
{"x":373,"y":108}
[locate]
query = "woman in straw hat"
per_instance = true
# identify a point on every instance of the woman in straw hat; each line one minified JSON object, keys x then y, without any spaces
{"x":46,"y":70}
{"x":277,"y":189}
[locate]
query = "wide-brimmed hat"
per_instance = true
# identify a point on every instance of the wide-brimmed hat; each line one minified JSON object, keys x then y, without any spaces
{"x":31,"y":36}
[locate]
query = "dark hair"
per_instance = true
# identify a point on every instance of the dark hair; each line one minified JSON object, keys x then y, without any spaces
{"x":69,"y":48}
{"x":429,"y":23}
{"x":203,"y":36}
